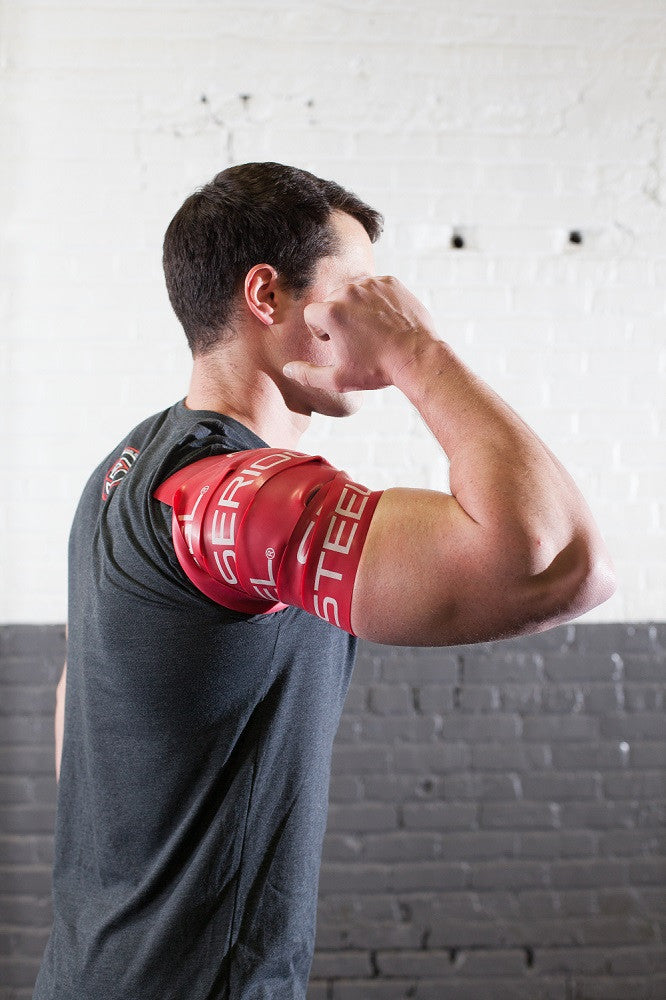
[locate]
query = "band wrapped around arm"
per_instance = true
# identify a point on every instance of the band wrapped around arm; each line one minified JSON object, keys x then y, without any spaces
{"x":259,"y":530}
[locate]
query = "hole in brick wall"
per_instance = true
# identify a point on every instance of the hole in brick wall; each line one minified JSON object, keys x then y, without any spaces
{"x":575,"y":236}
{"x":425,"y":938}
{"x":457,"y":241}
{"x":529,"y":957}
{"x":374,"y":965}
{"x":453,"y":955}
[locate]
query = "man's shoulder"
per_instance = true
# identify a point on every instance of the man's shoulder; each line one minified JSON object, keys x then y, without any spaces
{"x":115,"y":465}
{"x":164,"y":443}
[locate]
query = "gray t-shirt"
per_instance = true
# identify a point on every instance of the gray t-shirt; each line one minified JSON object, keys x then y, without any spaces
{"x":194,"y":784}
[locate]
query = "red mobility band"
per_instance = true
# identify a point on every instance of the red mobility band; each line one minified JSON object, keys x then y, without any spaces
{"x":259,"y":530}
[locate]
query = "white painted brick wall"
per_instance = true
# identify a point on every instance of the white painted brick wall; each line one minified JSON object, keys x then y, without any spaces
{"x":509,"y":121}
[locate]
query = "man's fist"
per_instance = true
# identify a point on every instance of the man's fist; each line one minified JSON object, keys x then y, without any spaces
{"x":375,"y":326}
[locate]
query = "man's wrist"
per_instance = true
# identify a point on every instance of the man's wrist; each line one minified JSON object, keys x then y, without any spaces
{"x":429,"y":361}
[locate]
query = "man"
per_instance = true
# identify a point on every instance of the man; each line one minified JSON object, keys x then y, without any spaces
{"x":218,"y":579}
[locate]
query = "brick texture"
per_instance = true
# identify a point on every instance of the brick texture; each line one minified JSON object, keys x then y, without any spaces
{"x":447,"y":873}
{"x":508,"y":123}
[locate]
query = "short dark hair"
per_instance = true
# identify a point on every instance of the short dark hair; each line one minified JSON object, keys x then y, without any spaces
{"x":250,"y":214}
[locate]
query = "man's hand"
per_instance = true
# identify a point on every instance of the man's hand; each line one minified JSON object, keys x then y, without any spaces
{"x":376,"y":328}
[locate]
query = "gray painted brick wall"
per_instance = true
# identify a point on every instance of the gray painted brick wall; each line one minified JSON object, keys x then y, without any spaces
{"x":495,"y":828}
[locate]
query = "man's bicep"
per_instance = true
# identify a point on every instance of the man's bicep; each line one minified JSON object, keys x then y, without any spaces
{"x":428,"y":576}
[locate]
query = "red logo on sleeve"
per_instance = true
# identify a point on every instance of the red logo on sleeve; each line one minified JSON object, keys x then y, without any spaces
{"x":118,"y":470}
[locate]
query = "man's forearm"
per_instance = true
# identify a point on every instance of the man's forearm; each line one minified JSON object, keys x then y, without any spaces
{"x":501,"y":473}
{"x":60,"y":720}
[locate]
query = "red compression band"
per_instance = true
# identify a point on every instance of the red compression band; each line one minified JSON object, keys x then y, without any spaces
{"x":259,"y":530}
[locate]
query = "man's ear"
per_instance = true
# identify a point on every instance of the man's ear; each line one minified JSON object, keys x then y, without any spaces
{"x":261,"y":293}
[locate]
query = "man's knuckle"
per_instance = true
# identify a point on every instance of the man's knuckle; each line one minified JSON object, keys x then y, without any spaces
{"x":335,"y":312}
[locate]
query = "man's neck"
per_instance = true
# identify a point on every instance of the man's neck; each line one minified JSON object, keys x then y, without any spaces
{"x":249,"y":396}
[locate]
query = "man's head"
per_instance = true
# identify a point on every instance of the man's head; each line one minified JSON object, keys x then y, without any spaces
{"x":255,"y":213}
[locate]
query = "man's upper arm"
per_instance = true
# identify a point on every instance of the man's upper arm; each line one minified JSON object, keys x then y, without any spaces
{"x":429,"y":575}
{"x":258,"y":530}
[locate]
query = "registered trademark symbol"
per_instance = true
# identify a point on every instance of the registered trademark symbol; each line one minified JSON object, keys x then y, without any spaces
{"x":270,"y":553}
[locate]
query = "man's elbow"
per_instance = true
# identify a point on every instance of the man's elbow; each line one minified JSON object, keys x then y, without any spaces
{"x":580,"y":578}
{"x":598,"y":583}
